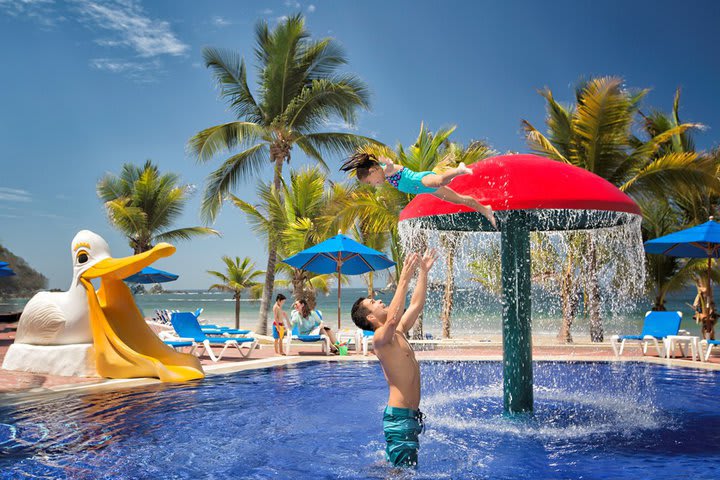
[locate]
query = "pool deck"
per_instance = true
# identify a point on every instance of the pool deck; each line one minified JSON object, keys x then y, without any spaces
{"x":23,"y":386}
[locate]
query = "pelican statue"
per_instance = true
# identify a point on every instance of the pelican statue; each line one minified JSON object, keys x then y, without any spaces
{"x":123,"y":345}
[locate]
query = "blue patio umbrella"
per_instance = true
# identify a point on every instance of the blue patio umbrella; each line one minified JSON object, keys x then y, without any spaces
{"x":151,"y":275}
{"x":341,"y":255}
{"x":6,"y":271}
{"x":4,"y":264}
{"x":700,"y":241}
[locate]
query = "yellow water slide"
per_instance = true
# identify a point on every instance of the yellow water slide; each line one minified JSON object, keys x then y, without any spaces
{"x":125,"y":346}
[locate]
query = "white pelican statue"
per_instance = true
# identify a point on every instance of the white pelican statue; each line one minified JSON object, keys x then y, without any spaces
{"x":82,"y":332}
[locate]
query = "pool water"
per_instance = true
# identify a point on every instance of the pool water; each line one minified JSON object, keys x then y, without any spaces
{"x":324,"y":420}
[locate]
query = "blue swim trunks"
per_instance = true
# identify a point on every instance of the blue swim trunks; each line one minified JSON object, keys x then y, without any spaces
{"x":402,"y":427}
{"x":408,"y":181}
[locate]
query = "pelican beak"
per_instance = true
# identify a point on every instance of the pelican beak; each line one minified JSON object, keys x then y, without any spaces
{"x":120,"y":268}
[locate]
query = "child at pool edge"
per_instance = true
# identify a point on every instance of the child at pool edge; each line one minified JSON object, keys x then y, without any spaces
{"x":279,"y":322}
{"x":376,"y":171}
{"x":403,"y":421}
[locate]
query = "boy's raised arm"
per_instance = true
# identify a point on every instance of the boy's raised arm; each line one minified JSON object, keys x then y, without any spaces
{"x":385,"y":333}
{"x":417,"y":302}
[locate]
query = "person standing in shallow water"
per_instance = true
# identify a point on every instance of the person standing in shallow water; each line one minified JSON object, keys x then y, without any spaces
{"x":402,"y":420}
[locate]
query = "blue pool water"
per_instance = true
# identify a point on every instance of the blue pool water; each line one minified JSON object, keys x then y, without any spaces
{"x":323,"y":420}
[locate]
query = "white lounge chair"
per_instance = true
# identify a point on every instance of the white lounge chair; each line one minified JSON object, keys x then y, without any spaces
{"x":363,"y":338}
{"x":709,"y":344}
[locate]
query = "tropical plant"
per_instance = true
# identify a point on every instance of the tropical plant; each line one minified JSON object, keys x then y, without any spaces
{"x":299,"y":90}
{"x":302,"y":217}
{"x":143,"y":204}
{"x":595,"y":134}
{"x":378,"y":209}
{"x":239,"y":276}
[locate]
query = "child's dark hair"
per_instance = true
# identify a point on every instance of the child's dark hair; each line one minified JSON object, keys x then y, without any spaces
{"x":280,"y":297}
{"x":359,"y":313}
{"x":361,"y":163}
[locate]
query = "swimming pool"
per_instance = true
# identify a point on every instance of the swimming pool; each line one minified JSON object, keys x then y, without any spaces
{"x":324,"y":419}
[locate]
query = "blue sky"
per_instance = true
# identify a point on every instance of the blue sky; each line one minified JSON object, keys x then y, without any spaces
{"x":88,"y":85}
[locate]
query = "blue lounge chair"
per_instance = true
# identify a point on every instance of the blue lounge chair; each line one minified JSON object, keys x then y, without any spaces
{"x":295,"y":335}
{"x":211,"y":329}
{"x":177,"y":344}
{"x":187,"y":326}
{"x":657,"y":326}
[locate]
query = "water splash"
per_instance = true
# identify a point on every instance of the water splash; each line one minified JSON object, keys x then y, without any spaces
{"x":610,"y":257}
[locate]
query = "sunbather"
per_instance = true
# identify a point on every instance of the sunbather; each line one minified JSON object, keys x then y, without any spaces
{"x":310,"y":323}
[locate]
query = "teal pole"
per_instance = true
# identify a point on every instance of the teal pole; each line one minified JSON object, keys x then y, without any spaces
{"x":517,"y":334}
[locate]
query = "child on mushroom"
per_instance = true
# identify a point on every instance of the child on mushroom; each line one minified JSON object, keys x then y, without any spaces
{"x":376,"y":171}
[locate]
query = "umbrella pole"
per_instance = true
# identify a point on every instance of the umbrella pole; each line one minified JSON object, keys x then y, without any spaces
{"x":339,"y":267}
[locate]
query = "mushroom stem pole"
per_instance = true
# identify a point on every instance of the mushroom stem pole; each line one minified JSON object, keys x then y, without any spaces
{"x":517,"y":334}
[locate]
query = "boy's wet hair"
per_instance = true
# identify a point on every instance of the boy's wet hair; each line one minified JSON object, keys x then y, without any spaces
{"x":361,"y":163}
{"x":280,"y":297}
{"x":359,"y":313}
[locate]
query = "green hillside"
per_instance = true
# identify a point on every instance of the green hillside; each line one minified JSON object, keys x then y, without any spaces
{"x":26,"y":282}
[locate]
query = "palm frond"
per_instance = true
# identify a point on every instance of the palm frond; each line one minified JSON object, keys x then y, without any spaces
{"x":223,"y":138}
{"x":540,"y":144}
{"x":235,"y":169}
{"x":186,"y":233}
{"x":229,"y":71}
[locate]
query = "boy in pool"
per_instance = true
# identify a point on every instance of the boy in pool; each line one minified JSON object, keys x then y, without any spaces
{"x":279,"y":323}
{"x":376,"y":171}
{"x":402,"y":420}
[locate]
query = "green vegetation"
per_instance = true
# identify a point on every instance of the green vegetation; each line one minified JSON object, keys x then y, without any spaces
{"x":26,"y":281}
{"x":239,"y":276}
{"x":377,"y":210}
{"x":142,"y":204}
{"x":596,"y":134}
{"x":299,"y":90}
{"x":304,"y":215}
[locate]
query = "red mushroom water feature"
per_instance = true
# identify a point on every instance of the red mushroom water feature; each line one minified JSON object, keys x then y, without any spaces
{"x":528,"y":193}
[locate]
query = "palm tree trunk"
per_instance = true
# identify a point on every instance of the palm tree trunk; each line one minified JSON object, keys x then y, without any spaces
{"x":418,"y":333}
{"x":269,"y":285}
{"x":593,"y":293}
{"x":450,"y":242}
{"x":237,"y":311}
{"x":568,"y":294}
{"x":298,"y":285}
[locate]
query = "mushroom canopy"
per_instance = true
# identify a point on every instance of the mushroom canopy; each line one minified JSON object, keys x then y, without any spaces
{"x":552,"y":195}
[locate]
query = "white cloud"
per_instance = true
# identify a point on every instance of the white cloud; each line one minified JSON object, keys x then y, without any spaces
{"x":40,"y":11}
{"x":141,"y":71}
{"x":131,"y":27}
{"x":281,"y":18}
{"x":14,"y":195}
{"x":292,"y":3}
{"x":311,"y":8}
{"x":267,"y":11}
{"x":219,"y":21}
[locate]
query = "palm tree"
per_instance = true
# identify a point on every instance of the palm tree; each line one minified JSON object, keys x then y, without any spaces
{"x":299,"y":90}
{"x":239,"y":276}
{"x":452,"y":156}
{"x":142,"y":203}
{"x":378,"y":209}
{"x":301,"y":218}
{"x":595,"y":134}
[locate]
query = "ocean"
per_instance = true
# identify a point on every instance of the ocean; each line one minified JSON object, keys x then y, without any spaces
{"x":475,"y":312}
